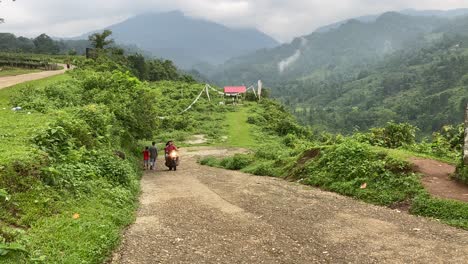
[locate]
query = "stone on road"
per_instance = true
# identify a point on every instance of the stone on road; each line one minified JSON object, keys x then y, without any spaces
{"x":208,"y":215}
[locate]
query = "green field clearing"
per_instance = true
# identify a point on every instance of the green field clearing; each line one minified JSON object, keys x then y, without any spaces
{"x":239,"y":132}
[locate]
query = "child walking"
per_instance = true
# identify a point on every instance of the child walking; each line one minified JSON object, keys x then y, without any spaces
{"x":146,"y":157}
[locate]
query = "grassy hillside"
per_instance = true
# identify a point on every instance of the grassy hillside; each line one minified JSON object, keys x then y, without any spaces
{"x":239,"y":131}
{"x":70,"y":159}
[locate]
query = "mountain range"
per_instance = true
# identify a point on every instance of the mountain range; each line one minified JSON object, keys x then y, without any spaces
{"x":188,"y":41}
{"x":351,"y":44}
{"x":363,"y":74}
{"x":410,"y":12}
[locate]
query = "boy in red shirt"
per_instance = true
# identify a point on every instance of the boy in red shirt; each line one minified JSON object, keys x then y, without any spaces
{"x":146,"y":157}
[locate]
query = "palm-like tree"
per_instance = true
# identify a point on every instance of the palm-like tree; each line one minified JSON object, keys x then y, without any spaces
{"x":99,"y":40}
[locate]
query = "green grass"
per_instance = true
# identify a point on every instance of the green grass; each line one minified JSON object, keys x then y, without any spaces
{"x":88,"y":239}
{"x":16,"y":71}
{"x":239,"y":132}
{"x":404,"y":154}
{"x":39,"y":217}
{"x":16,"y":128}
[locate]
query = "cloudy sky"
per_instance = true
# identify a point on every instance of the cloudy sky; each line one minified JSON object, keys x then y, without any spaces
{"x":282,"y":19}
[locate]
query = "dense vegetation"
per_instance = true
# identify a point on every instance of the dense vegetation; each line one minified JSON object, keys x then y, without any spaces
{"x":44,"y":44}
{"x":364,"y":74}
{"x":425,"y":87}
{"x":68,"y":165}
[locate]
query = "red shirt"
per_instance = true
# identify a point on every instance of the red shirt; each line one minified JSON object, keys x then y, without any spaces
{"x":169,"y":149}
{"x":146,"y":154}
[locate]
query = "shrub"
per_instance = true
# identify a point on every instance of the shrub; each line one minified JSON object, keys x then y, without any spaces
{"x":64,"y":135}
{"x":452,"y":212}
{"x":237,"y":162}
{"x":210,"y":161}
{"x":393,"y":135}
{"x":345,"y":167}
{"x":100,"y":119}
{"x":269,"y":152}
{"x":263,"y":168}
{"x":290,"y":140}
{"x":114,"y":169}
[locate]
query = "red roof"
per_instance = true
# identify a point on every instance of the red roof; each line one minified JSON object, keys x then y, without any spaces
{"x":235,"y":89}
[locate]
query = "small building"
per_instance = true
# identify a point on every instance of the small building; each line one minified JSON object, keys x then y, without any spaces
{"x":235,"y":92}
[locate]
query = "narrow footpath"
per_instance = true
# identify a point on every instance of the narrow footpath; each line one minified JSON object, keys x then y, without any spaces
{"x":14,"y":80}
{"x":437,"y":180}
{"x":207,"y":215}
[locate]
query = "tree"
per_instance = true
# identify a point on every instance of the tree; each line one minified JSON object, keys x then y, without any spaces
{"x":99,"y":40}
{"x":45,"y":44}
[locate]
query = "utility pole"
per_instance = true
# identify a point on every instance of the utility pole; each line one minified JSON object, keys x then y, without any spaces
{"x":465,"y":149}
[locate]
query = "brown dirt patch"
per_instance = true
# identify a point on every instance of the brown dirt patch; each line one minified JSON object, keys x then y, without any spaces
{"x":437,"y":179}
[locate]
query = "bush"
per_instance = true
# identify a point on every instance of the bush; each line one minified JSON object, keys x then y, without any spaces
{"x":100,"y":119}
{"x":269,"y":152}
{"x":452,"y":212}
{"x":448,"y":143}
{"x":345,"y":167}
{"x":210,"y":161}
{"x":64,"y":135}
{"x":237,"y":162}
{"x":393,"y":135}
{"x":263,"y":168}
{"x":290,"y":140}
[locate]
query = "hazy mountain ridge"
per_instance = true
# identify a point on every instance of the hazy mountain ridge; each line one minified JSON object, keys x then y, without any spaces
{"x":352,"y":44}
{"x":188,"y":41}
{"x":410,"y":12}
{"x":363,"y":74}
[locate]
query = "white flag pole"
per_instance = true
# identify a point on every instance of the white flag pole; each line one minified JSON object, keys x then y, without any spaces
{"x":260,"y":86}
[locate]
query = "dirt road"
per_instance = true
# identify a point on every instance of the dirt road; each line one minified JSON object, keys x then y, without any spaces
{"x":13,"y":80}
{"x":207,"y":215}
{"x":437,"y":179}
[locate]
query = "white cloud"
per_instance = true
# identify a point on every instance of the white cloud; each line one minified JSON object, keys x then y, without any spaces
{"x":282,"y":19}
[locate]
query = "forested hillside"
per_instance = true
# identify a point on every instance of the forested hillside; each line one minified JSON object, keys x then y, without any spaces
{"x":44,"y":44}
{"x":360,"y":75}
{"x":427,"y":87}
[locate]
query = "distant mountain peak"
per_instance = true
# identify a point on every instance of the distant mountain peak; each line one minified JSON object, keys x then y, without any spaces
{"x":392,"y":15}
{"x":186,"y":40}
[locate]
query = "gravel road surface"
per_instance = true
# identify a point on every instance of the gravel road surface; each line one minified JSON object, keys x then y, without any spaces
{"x":208,"y":215}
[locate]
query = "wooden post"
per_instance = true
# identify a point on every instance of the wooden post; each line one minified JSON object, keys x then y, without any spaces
{"x":465,"y":149}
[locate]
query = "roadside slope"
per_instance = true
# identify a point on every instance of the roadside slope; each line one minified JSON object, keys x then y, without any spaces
{"x":201,"y":214}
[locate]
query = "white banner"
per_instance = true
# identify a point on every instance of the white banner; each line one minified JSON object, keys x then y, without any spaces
{"x":260,"y":86}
